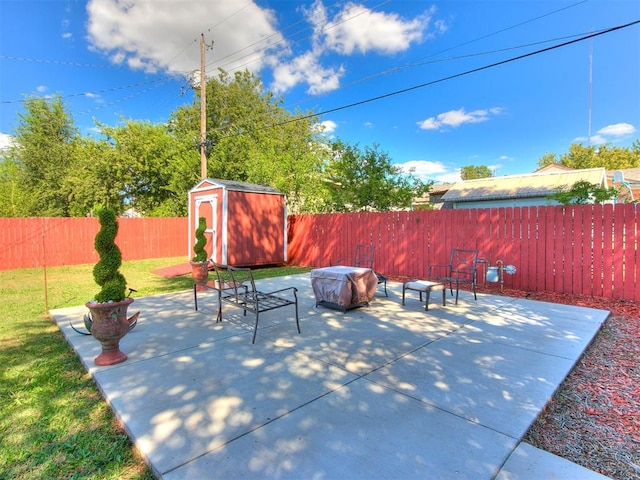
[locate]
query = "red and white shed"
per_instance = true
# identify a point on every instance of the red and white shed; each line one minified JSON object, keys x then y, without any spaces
{"x":246,"y":222}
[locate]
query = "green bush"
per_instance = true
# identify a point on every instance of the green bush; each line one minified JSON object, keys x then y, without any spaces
{"x":201,"y":241}
{"x":106,"y":272}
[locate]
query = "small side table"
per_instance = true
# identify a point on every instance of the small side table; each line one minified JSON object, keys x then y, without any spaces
{"x":425,"y":286}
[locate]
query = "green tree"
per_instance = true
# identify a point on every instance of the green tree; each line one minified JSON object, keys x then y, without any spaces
{"x":582,"y":193}
{"x":12,"y":197}
{"x":366,"y":180}
{"x":548,"y":159}
{"x":153,"y":170}
{"x":252,"y":138}
{"x":611,"y":158}
{"x":43,"y":152}
{"x":471,"y":172}
{"x":93,"y":179}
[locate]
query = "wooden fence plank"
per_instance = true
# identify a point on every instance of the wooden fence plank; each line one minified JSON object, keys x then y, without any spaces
{"x":607,"y":251}
{"x":565,"y":279}
{"x":618,"y":252}
{"x":543,"y":262}
{"x":580,"y":249}
{"x":630,"y":254}
{"x":597,"y":251}
{"x":508,"y":245}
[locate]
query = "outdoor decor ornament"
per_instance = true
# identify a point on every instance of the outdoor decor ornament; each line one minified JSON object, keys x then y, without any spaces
{"x":88,"y":320}
{"x":200,"y":260}
{"x":108,"y":320}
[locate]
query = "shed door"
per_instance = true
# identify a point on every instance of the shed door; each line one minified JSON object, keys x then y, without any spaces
{"x":206,"y":207}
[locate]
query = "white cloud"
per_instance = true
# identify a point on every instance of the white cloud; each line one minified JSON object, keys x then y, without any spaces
{"x":135,"y":32}
{"x":354,"y":29}
{"x":617,"y":130}
{"x":6,"y":140}
{"x":66,"y":23}
{"x":610,"y":133}
{"x":329,"y":126}
{"x":429,"y":124}
{"x":306,"y":68}
{"x":593,"y":140}
{"x":95,"y":96}
{"x":247,"y":35}
{"x":430,"y":170}
{"x":440,"y":26}
{"x":450,"y":177}
{"x":359,"y":29}
{"x":455,"y":118}
{"x":422,"y":167}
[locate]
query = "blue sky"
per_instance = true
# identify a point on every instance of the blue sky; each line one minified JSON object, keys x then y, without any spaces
{"x":131,"y":59}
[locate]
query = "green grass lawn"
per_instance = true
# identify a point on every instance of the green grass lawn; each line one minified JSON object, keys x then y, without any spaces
{"x":53,"y":422}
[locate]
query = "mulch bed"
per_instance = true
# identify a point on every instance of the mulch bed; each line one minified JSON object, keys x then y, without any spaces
{"x":594,"y":417}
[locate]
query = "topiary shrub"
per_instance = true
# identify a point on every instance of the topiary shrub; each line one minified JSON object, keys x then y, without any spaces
{"x":201,"y":241}
{"x":106,"y":272}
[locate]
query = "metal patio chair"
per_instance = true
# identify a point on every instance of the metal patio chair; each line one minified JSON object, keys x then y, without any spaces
{"x":461,"y":269}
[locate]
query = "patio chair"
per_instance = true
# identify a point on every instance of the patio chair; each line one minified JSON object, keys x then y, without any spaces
{"x":222,"y":282}
{"x":363,"y":257}
{"x":244,"y":294}
{"x":461,"y":269}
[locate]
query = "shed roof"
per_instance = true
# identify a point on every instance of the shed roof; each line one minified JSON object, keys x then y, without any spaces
{"x":521,"y":186}
{"x":236,"y":186}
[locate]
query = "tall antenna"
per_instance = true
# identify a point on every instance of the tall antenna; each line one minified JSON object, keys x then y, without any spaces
{"x":590,"y":88}
{"x":203,"y":112}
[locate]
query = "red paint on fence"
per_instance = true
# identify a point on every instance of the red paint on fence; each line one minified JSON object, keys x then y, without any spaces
{"x":56,"y":241}
{"x":583,"y":249}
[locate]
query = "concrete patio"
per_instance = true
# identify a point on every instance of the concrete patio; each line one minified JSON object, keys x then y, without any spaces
{"x":383,"y":391}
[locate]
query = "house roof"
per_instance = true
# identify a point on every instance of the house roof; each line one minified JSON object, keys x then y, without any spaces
{"x":537,"y":184}
{"x":438,"y":188}
{"x":631,"y":175}
{"x":554,"y":167}
{"x":238,"y":186}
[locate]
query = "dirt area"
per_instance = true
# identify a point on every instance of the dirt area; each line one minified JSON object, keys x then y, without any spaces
{"x":594,"y":417}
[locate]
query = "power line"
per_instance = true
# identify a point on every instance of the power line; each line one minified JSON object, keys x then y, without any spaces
{"x":443,"y":60}
{"x":60,"y":62}
{"x":128,"y":97}
{"x":197,"y":39}
{"x":107,"y":90}
{"x":511,"y":27}
{"x":450,"y":77}
{"x":424,"y":60}
{"x":266,"y":39}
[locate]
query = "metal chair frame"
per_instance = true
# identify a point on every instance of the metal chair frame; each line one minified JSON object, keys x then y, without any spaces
{"x":462,"y":268}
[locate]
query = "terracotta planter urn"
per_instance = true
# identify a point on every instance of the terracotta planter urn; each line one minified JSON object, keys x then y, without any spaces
{"x":109,"y":325}
{"x":200,"y":271}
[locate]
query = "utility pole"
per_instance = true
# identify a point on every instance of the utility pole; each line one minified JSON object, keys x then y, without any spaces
{"x":203,"y":112}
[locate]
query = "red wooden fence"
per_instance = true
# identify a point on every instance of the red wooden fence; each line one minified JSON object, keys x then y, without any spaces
{"x":36,"y":242}
{"x":586,"y":249}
